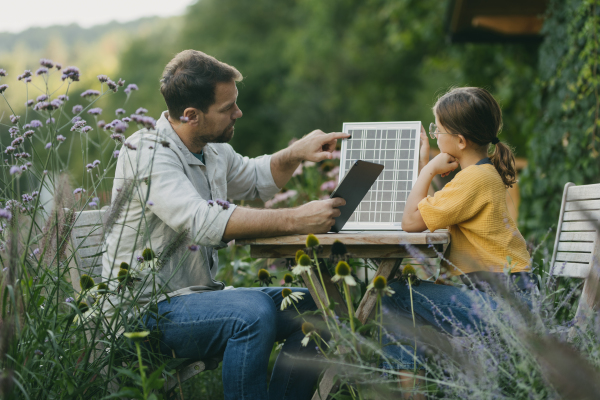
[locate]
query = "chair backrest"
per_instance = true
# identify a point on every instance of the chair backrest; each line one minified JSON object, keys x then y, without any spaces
{"x":577,"y":246}
{"x":87,"y":236}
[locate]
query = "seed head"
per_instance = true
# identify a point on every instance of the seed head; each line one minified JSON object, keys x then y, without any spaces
{"x":263,"y":274}
{"x":148,"y":254}
{"x":102,"y":287}
{"x":286,"y":292}
{"x":342,"y":269}
{"x":122,"y":275}
{"x":304,"y":260}
{"x":311,"y":241}
{"x":83,"y":307}
{"x":136,"y":336}
{"x":124,"y":266}
{"x":379,"y":282}
{"x":409,"y":270}
{"x":338,"y":248}
{"x":307,"y":328}
{"x":288,"y":278}
{"x":86,"y":282}
{"x":299,"y":254}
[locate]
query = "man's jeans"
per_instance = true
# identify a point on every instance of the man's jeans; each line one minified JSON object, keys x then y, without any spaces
{"x":448,"y":309}
{"x":242,"y":325}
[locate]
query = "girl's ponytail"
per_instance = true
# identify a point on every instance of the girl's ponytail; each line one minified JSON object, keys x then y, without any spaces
{"x":474,"y":113}
{"x":504,"y":161}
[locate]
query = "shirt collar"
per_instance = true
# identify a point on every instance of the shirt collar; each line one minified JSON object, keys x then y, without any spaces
{"x":163,"y":126}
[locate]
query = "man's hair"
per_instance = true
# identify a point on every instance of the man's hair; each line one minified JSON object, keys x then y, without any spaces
{"x":190,"y":78}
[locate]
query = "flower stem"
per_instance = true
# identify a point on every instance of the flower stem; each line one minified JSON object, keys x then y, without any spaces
{"x":321,"y":277}
{"x":142,"y":373}
{"x":350,"y":311}
{"x":412,"y":311}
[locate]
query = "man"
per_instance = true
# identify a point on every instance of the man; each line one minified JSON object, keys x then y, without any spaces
{"x":167,"y":183}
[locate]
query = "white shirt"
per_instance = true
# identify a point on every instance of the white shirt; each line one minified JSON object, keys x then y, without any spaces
{"x":169,"y":209}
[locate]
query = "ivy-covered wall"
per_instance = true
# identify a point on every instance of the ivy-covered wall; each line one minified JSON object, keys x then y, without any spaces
{"x":565,"y":144}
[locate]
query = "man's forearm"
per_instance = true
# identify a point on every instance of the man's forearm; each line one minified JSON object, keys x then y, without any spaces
{"x":283,"y":165}
{"x":250,"y":223}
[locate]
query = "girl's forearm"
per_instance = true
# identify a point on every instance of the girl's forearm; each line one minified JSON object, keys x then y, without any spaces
{"x":412,"y":221}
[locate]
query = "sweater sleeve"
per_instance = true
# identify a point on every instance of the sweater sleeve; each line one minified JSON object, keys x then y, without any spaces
{"x":460,"y":200}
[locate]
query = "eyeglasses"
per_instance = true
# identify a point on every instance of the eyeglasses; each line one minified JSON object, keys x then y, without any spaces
{"x":433,"y":131}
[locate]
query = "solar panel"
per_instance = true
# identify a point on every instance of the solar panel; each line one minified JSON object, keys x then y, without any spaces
{"x":395,"y":145}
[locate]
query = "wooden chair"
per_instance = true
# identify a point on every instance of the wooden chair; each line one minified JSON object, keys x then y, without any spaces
{"x":87,"y":238}
{"x":577,"y":247}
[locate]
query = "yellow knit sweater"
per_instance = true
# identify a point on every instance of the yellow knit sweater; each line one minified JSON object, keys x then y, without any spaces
{"x":483,"y":235}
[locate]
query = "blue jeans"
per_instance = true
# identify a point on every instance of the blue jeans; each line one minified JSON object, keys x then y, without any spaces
{"x":241,"y":325}
{"x":450,"y":309}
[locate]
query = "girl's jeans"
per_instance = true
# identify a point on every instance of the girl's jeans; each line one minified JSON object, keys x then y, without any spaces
{"x":242,"y":325}
{"x":448,"y":309}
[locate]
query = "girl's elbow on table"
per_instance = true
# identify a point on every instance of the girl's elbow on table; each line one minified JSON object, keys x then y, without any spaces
{"x":413,"y":222}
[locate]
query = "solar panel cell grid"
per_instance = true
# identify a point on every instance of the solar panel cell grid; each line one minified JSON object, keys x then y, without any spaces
{"x":394,"y":145}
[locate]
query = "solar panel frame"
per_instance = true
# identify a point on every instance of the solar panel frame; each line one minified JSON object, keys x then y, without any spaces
{"x":379,"y":210}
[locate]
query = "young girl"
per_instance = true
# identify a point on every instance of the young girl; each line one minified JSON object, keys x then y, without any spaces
{"x":485,"y":241}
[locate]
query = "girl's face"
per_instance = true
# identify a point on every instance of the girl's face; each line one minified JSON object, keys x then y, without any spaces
{"x":447,"y":142}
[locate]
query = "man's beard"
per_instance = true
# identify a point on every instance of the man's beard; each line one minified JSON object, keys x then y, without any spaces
{"x":225,"y":136}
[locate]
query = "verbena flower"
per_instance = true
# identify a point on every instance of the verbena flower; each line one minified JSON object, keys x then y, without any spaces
{"x":2,"y":72}
{"x":3,"y":88}
{"x":130,"y":87}
{"x":14,"y":119}
{"x":41,"y":71}
{"x":102,"y":78}
{"x":61,"y":138}
{"x":71,"y":73}
{"x":15,"y":170}
{"x":78,"y":190}
{"x":101,"y":124}
{"x":119,"y":111}
{"x":5,"y":214}
{"x":210,"y":202}
{"x":120,"y":127}
{"x":92,"y":204}
{"x":63,"y":97}
{"x":290,"y":297}
{"x":380,"y":285}
{"x":112,"y":85}
{"x":35,"y":123}
{"x":41,"y":97}
{"x":116,"y":153}
{"x":343,"y":272}
{"x":150,"y":203}
{"x":95,"y":111}
{"x":141,"y":111}
{"x":304,"y":265}
{"x":50,"y":121}
{"x":38,"y":352}
{"x":223,"y":203}
{"x":77,"y":109}
{"x":29,"y":103}
{"x":129,"y":146}
{"x":264,"y":277}
{"x":86,"y":129}
{"x":44,"y":62}
{"x":193,"y":247}
{"x":69,"y":300}
{"x":90,"y":93}
{"x":139,"y":259}
{"x":58,"y":66}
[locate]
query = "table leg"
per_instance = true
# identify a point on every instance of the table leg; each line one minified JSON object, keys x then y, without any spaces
{"x":387,"y":268}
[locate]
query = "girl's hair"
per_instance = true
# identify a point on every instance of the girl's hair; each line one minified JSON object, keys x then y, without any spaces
{"x":474,"y":113}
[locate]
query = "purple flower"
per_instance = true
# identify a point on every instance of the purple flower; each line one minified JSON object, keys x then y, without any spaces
{"x":328,"y":186}
{"x":120,"y":82}
{"x":35,"y":123}
{"x":120,"y":111}
{"x":210,"y":202}
{"x":101,"y":124}
{"x":61,"y":138}
{"x":96,"y":199}
{"x":63,"y":97}
{"x":42,"y":70}
{"x":41,"y":97}
{"x":140,"y":259}
{"x":5,"y":214}
{"x":29,"y":103}
{"x":148,"y":122}
{"x":120,"y":127}
{"x":14,"y":119}
{"x":78,"y":190}
{"x":130,"y":87}
{"x":223,"y":203}
{"x":184,"y":119}
{"x":150,"y":203}
{"x":13,"y":130}
{"x":86,"y":129}
{"x":95,"y":111}
{"x":118,"y":137}
{"x":27,"y":80}
{"x":78,"y":125}
{"x":2,"y":72}
{"x":129,"y":146}
{"x":193,"y":247}
{"x":92,"y":204}
{"x":58,"y":66}
{"x":89,"y":166}
{"x":102,"y":78}
{"x":42,"y":105}
{"x":90,"y":93}
{"x":141,"y":111}
{"x":50,"y":121}
{"x":126,"y":119}
{"x":15,"y":170}
{"x":44,"y":62}
{"x":24,"y":75}
{"x":28,"y":134}
{"x":9,"y":150}
{"x":69,"y":300}
{"x":17,"y":142}
{"x":112,"y":85}
{"x":48,"y":145}
{"x":71,"y":73}
{"x":38,"y":352}
{"x":3,"y":88}
{"x":56,"y":103}
{"x":116,"y":153}
{"x":77,"y":109}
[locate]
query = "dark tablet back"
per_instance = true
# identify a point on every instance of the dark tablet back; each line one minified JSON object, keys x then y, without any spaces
{"x":353,"y":188}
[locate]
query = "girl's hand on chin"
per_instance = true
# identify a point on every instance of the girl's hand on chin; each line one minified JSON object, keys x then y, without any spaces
{"x":443,"y":164}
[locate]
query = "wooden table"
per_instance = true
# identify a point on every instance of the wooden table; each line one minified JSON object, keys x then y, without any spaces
{"x":389,"y":247}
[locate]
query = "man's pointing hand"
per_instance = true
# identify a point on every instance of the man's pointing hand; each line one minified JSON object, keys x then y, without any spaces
{"x":316,"y":146}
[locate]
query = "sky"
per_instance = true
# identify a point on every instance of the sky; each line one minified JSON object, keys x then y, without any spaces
{"x":18,"y":15}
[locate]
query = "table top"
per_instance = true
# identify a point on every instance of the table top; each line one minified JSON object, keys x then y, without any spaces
{"x":355,"y":238}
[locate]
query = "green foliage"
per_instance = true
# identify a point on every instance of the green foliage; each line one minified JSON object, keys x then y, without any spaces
{"x":565,"y":145}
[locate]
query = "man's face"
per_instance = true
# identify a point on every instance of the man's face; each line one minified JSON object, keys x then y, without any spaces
{"x":216,"y":125}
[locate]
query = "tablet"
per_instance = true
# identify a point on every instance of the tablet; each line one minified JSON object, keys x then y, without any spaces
{"x":353,"y":188}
